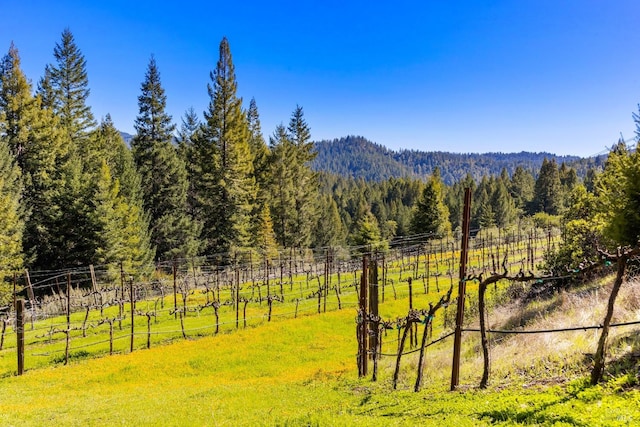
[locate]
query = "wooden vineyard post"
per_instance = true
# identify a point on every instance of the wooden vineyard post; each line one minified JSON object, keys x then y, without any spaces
{"x":237,"y":293}
{"x":133,"y":313}
{"x":121,"y":300}
{"x":374,"y":319}
{"x":457,"y":344}
{"x":373,"y":304}
{"x":20,"y":334}
{"x":68,"y":331}
{"x":15,"y":284}
{"x":362,"y":317}
{"x":175,"y":291}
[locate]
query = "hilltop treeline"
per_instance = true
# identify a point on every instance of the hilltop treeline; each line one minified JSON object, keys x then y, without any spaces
{"x":355,"y":156}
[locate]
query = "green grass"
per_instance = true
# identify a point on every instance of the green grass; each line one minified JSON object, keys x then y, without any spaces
{"x":302,"y":371}
{"x":293,"y":372}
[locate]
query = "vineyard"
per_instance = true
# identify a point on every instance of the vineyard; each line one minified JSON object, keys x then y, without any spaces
{"x":101,"y":310}
{"x":273,"y":343}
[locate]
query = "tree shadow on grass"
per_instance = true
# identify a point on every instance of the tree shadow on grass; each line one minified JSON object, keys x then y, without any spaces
{"x":533,"y":415}
{"x":627,"y":363}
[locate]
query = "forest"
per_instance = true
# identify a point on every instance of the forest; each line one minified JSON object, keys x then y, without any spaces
{"x":358,"y":157}
{"x":73,"y":193}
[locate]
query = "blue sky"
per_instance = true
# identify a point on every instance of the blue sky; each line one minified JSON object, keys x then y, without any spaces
{"x":558,"y":76}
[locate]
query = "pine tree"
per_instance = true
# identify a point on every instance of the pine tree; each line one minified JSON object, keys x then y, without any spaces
{"x":260,"y":156}
{"x":282,"y":187}
{"x":548,"y":191}
{"x":454,"y":199}
{"x":522,"y":188}
{"x":224,"y":184}
{"x":135,"y":253}
{"x":366,"y":234}
{"x":73,"y":240}
{"x":11,"y":216}
{"x":65,"y":87}
{"x":431,"y":214}
{"x":329,"y":231}
{"x":482,"y":210}
{"x":306,"y":181}
{"x":187,"y":138}
{"x":264,"y":235}
{"x":164,"y":175}
{"x":34,"y":139}
{"x":568,"y":180}
{"x":503,"y":206}
{"x":65,"y":90}
{"x":258,"y":147}
{"x":106,"y":219}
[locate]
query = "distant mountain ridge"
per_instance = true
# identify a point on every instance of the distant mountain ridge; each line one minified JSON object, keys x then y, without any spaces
{"x":355,"y":156}
{"x":127,"y":137}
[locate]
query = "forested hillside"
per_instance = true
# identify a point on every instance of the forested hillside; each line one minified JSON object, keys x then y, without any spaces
{"x":357,"y":157}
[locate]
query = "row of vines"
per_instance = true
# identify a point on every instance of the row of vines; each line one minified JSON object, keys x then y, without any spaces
{"x":87,"y":312}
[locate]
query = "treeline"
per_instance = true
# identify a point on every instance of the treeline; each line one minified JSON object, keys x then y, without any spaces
{"x":403,"y":206}
{"x":358,"y":157}
{"x":73,"y":193}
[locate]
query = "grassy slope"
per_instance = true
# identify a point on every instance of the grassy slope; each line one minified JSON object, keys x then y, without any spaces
{"x":292,"y":372}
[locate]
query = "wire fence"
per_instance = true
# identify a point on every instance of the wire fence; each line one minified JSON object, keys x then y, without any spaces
{"x":106,"y":309}
{"x":407,"y":326}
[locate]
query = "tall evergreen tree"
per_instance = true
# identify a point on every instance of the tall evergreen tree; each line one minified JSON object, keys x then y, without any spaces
{"x":454,"y":199}
{"x":65,"y":87}
{"x":431,"y":214}
{"x":503,"y":206}
{"x":282,"y":187}
{"x":329,"y":231}
{"x":483,"y":215}
{"x":260,"y":156}
{"x":122,"y":200}
{"x":187,"y":137}
{"x":65,"y":91}
{"x":522,"y":188}
{"x":224,"y":184}
{"x":306,"y":180}
{"x":34,"y":139}
{"x":164,"y":175}
{"x":11,"y":215}
{"x":548,"y":191}
{"x":258,"y":147}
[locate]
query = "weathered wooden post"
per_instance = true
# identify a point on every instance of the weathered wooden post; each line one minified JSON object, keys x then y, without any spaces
{"x":457,"y":344}
{"x":363,"y":316}
{"x":133,"y":313}
{"x":175,"y":291}
{"x":68,"y":331}
{"x":373,"y":303}
{"x":20,"y":334}
{"x":121,"y":300}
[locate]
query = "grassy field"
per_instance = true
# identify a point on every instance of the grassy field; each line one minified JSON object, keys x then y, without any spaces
{"x":302,"y":372}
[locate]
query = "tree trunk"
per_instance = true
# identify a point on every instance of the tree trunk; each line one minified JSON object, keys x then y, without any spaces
{"x":483,"y":335}
{"x":598,"y":362}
